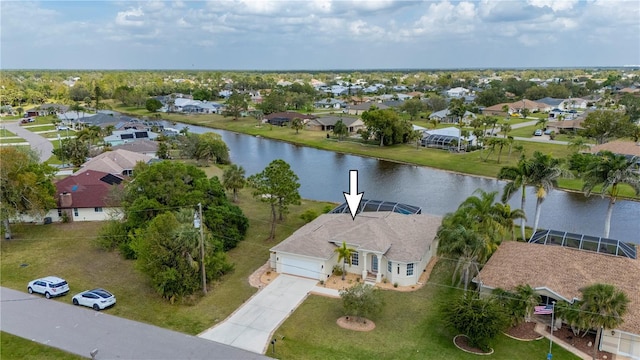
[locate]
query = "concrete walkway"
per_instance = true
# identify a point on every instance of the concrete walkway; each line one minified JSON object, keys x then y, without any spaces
{"x":251,"y":325}
{"x":79,"y":330}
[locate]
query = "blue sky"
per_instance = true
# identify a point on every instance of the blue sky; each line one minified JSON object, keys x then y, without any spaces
{"x":318,"y":34}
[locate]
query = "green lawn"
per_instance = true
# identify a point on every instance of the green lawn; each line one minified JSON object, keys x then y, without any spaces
{"x":410,"y":327}
{"x":84,"y":266}
{"x":14,"y":347}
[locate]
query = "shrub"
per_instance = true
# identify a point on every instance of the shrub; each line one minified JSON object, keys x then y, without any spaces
{"x":308,"y":216}
{"x":337,"y":270}
{"x":481,"y":320}
{"x":362,"y":300}
{"x":395,"y":284}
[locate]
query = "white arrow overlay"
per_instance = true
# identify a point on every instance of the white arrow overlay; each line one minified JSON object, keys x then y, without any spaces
{"x":353,"y":197}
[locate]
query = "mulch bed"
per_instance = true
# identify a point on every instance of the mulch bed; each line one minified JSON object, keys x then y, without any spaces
{"x":524,"y":331}
{"x":354,"y":323}
{"x":565,"y":335}
{"x":461,"y":341}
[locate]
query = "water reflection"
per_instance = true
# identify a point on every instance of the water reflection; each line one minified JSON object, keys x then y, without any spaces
{"x":324,"y":175}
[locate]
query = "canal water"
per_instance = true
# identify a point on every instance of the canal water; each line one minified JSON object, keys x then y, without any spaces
{"x":324,"y":175}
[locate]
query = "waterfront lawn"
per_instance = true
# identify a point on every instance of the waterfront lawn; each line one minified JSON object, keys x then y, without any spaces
{"x":84,"y":266}
{"x":15,"y":347}
{"x":411,"y":326}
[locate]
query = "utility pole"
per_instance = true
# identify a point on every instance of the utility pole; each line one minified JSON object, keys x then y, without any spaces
{"x":198,"y":223}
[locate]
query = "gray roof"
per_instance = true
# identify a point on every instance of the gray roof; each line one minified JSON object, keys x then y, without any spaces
{"x":101,"y":119}
{"x":140,"y":146}
{"x":550,"y":101}
{"x":332,"y":120}
{"x":367,"y":106}
{"x":401,"y":238}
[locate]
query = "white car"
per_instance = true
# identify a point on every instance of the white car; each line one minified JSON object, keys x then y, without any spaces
{"x":98,"y":299}
{"x":50,"y":286}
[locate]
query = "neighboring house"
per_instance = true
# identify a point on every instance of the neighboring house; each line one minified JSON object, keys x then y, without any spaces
{"x":101,"y":120}
{"x":457,"y":92}
{"x":552,"y":103}
{"x":48,"y":109}
{"x":362,"y":107}
{"x":120,"y":137}
{"x":388,"y":245}
{"x":327,"y":123}
{"x":85,"y":197}
{"x":445,"y":116}
{"x":574,"y":103}
{"x":516,"y":107}
{"x":629,"y":149}
{"x":566,"y":125}
{"x":559,"y":272}
{"x":142,"y":146}
{"x":117,"y":162}
{"x":70,"y":117}
{"x":497,"y":109}
{"x":284,"y":118}
{"x":330,"y":103}
{"x":446,"y":138}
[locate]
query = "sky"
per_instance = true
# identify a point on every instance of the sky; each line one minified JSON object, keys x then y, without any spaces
{"x":318,"y":34}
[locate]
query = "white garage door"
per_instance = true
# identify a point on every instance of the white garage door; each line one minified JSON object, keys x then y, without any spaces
{"x":300,"y":267}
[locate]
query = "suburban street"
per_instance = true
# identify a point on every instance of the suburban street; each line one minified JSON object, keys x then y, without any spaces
{"x":80,"y":330}
{"x":39,"y":143}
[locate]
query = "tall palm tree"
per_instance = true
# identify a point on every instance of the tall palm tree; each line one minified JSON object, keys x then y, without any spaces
{"x":344,"y":254}
{"x":603,"y":306}
{"x":528,"y":297}
{"x":546,"y":171}
{"x":507,"y":218}
{"x":520,"y":176}
{"x":608,"y":172}
{"x":233,"y":179}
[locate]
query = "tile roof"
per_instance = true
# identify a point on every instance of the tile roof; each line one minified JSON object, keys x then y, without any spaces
{"x":564,"y":271}
{"x":288,"y":115}
{"x":621,"y":147}
{"x":141,"y":146}
{"x":86,"y":190}
{"x":332,"y":120}
{"x":403,"y":238}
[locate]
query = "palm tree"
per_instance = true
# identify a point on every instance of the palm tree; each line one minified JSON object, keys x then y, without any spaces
{"x":507,"y":217}
{"x":546,"y":171}
{"x":233,"y":179}
{"x":578,"y":144}
{"x":528,"y":297}
{"x":344,"y":254}
{"x":524,"y":112}
{"x":603,"y":306}
{"x":520,"y":176}
{"x":608,"y":172}
{"x":542,"y":122}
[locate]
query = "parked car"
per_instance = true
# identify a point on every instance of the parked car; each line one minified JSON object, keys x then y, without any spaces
{"x":548,"y":132}
{"x":98,"y":299}
{"x":538,"y":132}
{"x":50,"y":286}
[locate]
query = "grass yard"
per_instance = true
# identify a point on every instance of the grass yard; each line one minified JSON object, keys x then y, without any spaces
{"x":67,"y":250}
{"x":14,"y":347}
{"x":410,"y":327}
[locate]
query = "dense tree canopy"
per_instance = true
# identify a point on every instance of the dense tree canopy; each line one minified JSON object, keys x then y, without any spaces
{"x":387,"y":126}
{"x":170,"y":186}
{"x":604,"y":125}
{"x":26,"y":184}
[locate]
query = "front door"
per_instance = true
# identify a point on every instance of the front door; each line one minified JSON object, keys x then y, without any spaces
{"x":374,"y":264}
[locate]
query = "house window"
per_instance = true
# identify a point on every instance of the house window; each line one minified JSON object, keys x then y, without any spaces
{"x":59,"y":212}
{"x":75,"y":212}
{"x":409,"y":269}
{"x":98,"y":209}
{"x":354,"y":259}
{"x":389,"y":270}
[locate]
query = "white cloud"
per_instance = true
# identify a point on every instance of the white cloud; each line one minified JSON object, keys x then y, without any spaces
{"x":555,"y":5}
{"x":131,"y":17}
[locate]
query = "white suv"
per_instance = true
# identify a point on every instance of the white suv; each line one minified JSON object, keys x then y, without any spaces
{"x":50,"y":286}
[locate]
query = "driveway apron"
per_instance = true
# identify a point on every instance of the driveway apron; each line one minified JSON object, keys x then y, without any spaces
{"x":250,"y":326}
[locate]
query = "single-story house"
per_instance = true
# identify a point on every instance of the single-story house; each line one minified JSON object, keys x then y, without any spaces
{"x":559,"y":272}
{"x":388,"y":245}
{"x":284,"y":118}
{"x":117,"y":162}
{"x":457,"y":92}
{"x":85,"y":197}
{"x":327,"y":123}
{"x":365,"y":106}
{"x":446,"y":138}
{"x":48,"y":109}
{"x":574,"y":103}
{"x":141,"y":146}
{"x":119,"y":137}
{"x":445,"y":116}
{"x":330,"y":103}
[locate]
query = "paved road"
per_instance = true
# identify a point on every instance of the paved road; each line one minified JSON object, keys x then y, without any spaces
{"x":79,"y":330}
{"x":40,"y":144}
{"x":250,"y":327}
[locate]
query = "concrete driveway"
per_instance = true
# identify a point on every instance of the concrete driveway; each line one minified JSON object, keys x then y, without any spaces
{"x":79,"y":330}
{"x":251,"y":325}
{"x":40,"y":144}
